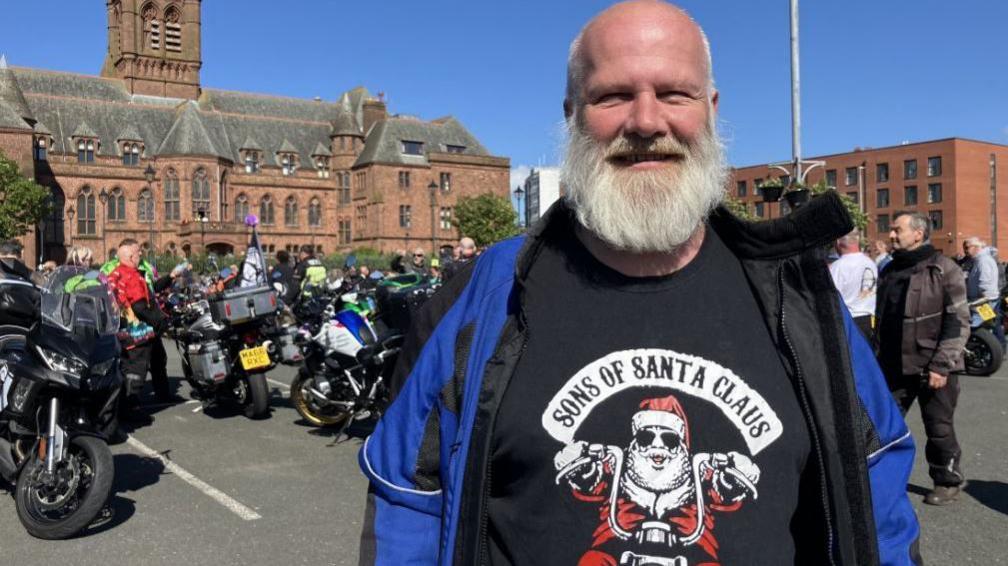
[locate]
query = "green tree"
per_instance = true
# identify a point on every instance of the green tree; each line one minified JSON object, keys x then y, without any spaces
{"x":738,"y":208}
{"x":23,"y":203}
{"x":486,"y":218}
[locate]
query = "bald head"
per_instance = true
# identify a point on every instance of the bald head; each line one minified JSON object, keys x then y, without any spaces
{"x":467,"y":247}
{"x":632,"y":23}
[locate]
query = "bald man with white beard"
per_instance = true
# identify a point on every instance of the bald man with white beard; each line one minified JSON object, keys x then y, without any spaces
{"x":642,"y":378}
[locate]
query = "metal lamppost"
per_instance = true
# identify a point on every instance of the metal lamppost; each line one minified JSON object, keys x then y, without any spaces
{"x":103,"y":197}
{"x":519,"y":193}
{"x":149,"y":176}
{"x":70,"y":215}
{"x":433,"y":188}
{"x":202,"y":217}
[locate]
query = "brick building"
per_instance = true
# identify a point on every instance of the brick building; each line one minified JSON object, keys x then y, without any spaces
{"x":338,"y":175}
{"x":961,"y":184}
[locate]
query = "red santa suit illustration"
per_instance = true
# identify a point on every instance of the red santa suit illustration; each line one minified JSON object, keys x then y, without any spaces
{"x":656,"y":495}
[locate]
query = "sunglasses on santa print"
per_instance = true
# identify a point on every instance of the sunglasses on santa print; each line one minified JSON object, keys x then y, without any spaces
{"x":646,"y":437}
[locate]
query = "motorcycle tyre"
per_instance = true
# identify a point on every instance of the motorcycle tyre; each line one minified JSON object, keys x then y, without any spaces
{"x":304,"y":409}
{"x":103,"y":470}
{"x":989,"y":342}
{"x":257,"y":404}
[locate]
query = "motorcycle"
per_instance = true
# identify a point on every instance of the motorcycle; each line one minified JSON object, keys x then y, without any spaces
{"x":59,"y":382}
{"x":983,"y":353}
{"x":222,"y":340}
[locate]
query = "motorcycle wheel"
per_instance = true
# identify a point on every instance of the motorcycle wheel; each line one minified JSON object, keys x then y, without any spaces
{"x":983,"y":354}
{"x":257,"y":403}
{"x":306,"y":406}
{"x":82,"y":486}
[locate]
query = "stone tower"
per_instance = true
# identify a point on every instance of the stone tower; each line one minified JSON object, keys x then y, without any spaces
{"x":154,"y":46}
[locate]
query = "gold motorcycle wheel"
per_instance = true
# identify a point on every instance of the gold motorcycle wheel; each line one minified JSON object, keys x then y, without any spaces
{"x":309,"y":409}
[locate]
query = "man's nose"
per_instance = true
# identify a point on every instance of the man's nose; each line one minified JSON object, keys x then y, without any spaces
{"x":645,"y":119}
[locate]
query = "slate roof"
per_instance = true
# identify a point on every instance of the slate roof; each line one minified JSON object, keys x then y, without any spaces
{"x":41,"y":128}
{"x":321,"y":149}
{"x":10,"y":92}
{"x":83,"y":130}
{"x":219,"y":124}
{"x":384,"y":142}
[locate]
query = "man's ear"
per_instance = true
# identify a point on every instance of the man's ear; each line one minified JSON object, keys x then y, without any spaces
{"x":568,"y":108}
{"x":715,"y":98}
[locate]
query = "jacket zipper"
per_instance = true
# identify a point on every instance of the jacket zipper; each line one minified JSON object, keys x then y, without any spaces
{"x":484,"y":547}
{"x":807,"y":410}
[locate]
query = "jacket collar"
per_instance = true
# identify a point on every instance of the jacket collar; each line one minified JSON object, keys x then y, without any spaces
{"x":819,"y":222}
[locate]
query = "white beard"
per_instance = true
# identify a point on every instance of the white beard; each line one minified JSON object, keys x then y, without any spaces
{"x":643,"y":211}
{"x":674,"y":473}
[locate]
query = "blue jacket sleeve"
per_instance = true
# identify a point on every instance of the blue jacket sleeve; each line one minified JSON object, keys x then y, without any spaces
{"x":890,"y":463}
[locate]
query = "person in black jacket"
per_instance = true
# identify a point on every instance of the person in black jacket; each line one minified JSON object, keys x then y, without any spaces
{"x":283,"y":273}
{"x":19,"y":297}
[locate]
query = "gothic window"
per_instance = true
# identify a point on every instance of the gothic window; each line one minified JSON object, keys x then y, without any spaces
{"x":291,"y":211}
{"x":344,"y":232}
{"x":201,"y":191}
{"x":171,"y":196}
{"x":86,"y":225}
{"x":145,"y":206}
{"x":288,"y":163}
{"x":251,"y":161}
{"x":173,"y":30}
{"x":151,"y":27}
{"x":266,"y":210}
{"x":322,"y":165}
{"x":361,"y":220}
{"x":86,"y":150}
{"x":131,"y":154}
{"x":241,"y":208}
{"x":315,"y":212}
{"x":343,"y":187}
{"x":116,"y":206}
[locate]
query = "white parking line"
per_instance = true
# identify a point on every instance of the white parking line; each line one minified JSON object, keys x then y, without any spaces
{"x":278,"y":383}
{"x":217,"y":495}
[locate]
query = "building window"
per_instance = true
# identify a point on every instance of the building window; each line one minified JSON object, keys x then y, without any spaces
{"x":934,"y":193}
{"x":934,"y":166}
{"x":322,"y":165}
{"x":241,"y":208}
{"x":291,"y":211}
{"x":171,"y":190}
{"x":151,"y":27}
{"x":344,"y":232}
{"x":936,"y":219}
{"x":145,"y":206}
{"x":173,"y":30}
{"x":361,"y":179}
{"x":86,"y":225}
{"x":445,"y":182}
{"x":854,"y":196}
{"x":343,"y":187}
{"x":288,"y":163}
{"x":882,"y":173}
{"x":86,"y":150}
{"x":831,"y":178}
{"x":131,"y":154}
{"x":405,"y":216}
{"x":314,"y":212}
{"x":116,"y":206}
{"x":412,"y":147}
{"x":361,"y":220}
{"x":882,"y":223}
{"x":850,"y":176}
{"x":201,"y":192}
{"x":266,"y":210}
{"x":41,"y":149}
{"x":446,"y":218}
{"x":910,"y":195}
{"x":740,"y":189}
{"x":910,"y":169}
{"x":882,"y":198}
{"x":759,"y":209}
{"x":455,"y":148}
{"x":251,"y":161}
{"x":404,"y":179}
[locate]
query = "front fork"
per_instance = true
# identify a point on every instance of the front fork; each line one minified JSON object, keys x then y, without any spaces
{"x":51,"y":445}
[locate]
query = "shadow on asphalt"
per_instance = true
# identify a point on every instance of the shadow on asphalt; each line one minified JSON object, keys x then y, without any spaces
{"x":992,"y":494}
{"x":133,"y":473}
{"x":358,"y":431}
{"x":914,"y":488}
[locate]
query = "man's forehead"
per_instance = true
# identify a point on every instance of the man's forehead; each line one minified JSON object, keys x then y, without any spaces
{"x":656,"y":29}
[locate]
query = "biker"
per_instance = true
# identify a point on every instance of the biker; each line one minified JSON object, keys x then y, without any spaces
{"x":309,"y":273}
{"x":982,"y":282}
{"x":282,"y":273}
{"x":18,"y":296}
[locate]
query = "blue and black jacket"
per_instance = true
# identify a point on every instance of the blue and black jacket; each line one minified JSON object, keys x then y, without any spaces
{"x":428,"y":459}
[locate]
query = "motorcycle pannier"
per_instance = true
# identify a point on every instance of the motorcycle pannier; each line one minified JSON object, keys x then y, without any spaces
{"x":238,"y":306}
{"x":208,"y":363}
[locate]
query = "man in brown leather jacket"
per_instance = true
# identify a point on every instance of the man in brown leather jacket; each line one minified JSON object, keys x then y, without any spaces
{"x":922,"y":327}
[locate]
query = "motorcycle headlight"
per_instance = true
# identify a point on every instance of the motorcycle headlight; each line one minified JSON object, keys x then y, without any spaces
{"x":61,"y":363}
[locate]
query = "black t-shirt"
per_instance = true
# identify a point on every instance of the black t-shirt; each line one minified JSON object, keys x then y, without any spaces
{"x":647,"y":393}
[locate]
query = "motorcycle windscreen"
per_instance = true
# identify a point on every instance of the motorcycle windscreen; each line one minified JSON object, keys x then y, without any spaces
{"x":357,"y":326}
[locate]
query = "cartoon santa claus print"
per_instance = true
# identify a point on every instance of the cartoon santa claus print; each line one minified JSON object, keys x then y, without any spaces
{"x":656,"y":495}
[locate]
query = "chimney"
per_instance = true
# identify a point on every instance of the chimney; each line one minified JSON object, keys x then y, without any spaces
{"x":374,"y":111}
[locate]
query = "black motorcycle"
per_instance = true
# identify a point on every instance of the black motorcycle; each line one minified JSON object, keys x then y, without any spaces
{"x":983,"y":353}
{"x":59,"y":381}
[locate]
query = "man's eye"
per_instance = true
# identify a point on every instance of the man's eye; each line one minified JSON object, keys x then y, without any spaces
{"x":612,"y":98}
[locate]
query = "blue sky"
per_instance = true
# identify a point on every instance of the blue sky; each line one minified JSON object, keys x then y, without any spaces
{"x":874,"y":73}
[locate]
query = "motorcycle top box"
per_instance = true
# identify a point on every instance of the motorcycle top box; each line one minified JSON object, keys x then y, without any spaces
{"x":242,"y":305}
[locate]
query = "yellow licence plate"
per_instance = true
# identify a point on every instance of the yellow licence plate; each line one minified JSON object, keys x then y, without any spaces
{"x":985,"y":312}
{"x":254,"y":358}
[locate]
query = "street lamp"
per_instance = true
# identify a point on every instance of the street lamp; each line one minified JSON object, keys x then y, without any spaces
{"x":432,"y":188}
{"x":201,"y":215}
{"x":149,"y":176}
{"x":519,"y":193}
{"x":103,"y":197}
{"x":70,"y":215}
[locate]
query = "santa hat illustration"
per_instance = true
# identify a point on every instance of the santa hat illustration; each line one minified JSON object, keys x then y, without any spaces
{"x":665,"y":412}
